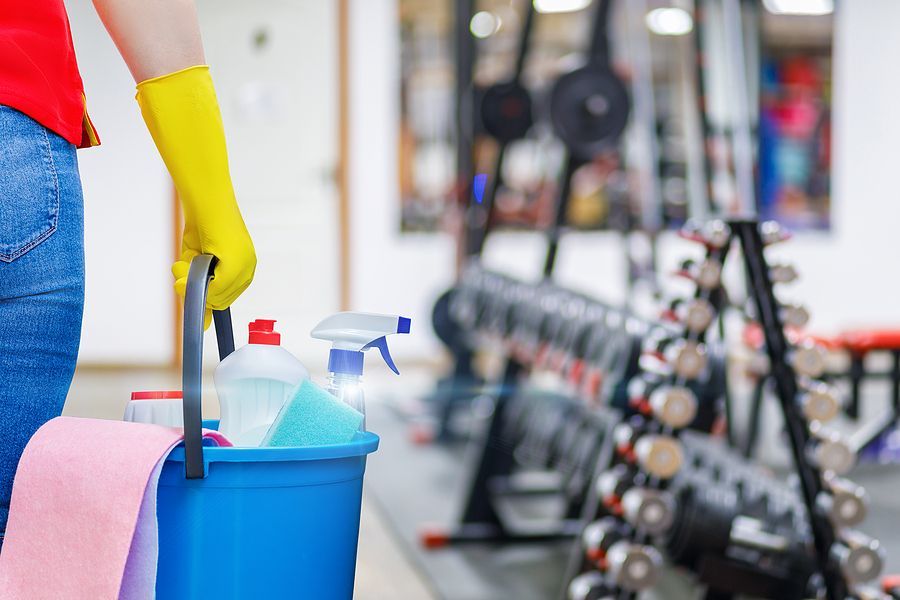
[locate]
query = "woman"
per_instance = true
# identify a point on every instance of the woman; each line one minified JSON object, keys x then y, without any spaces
{"x":43,"y":118}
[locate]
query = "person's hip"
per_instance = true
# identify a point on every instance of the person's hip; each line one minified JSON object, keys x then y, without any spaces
{"x":41,"y":209}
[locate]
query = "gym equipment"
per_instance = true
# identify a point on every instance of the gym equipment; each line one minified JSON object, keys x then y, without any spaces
{"x":589,"y":106}
{"x":739,"y":532}
{"x":819,"y":401}
{"x":530,"y":431}
{"x":506,"y":111}
{"x":589,"y":109}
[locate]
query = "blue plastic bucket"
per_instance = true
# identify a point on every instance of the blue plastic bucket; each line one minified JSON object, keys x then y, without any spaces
{"x":264,"y":523}
{"x":247,"y":523}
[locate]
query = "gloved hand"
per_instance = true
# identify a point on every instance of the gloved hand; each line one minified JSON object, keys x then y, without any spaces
{"x":182,"y":114}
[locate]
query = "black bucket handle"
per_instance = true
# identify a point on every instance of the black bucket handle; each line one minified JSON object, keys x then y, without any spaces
{"x":199,"y":276}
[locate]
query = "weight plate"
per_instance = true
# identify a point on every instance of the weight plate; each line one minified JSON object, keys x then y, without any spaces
{"x":506,"y":111}
{"x":589,"y":109}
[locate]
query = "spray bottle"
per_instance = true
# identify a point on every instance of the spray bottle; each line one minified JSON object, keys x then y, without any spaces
{"x":351,"y":334}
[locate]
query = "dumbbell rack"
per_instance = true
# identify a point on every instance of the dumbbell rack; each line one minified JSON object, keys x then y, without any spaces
{"x":832,"y":544}
{"x":787,"y":389}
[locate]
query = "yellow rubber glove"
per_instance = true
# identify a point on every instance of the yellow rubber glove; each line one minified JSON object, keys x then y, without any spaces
{"x":182,"y":114}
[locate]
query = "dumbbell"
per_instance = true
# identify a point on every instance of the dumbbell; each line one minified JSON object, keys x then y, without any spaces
{"x":794,"y":315}
{"x":696,"y":314}
{"x":782,"y":273}
{"x":860,"y":557}
{"x":707,"y":274}
{"x":666,"y":355}
{"x":845,"y":502}
{"x":543,"y":428}
{"x":829,"y":450}
{"x":640,"y":387}
{"x":808,"y":359}
{"x":591,"y":585}
{"x":612,"y":484}
{"x":688,"y":358}
{"x":658,"y":455}
{"x":528,"y":331}
{"x":633,"y":567}
{"x":772,"y":232}
{"x":578,"y":337}
{"x":648,"y":510}
{"x":673,"y":406}
{"x":715,"y":234}
{"x":562,"y":452}
{"x":559,"y":331}
{"x":599,"y":536}
{"x":818,"y":401}
{"x":711,"y":521}
{"x":630,"y":566}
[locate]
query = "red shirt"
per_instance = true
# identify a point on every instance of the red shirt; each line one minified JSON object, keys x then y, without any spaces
{"x":38,"y":72}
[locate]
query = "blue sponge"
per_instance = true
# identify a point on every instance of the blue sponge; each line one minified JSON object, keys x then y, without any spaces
{"x":313,"y":417}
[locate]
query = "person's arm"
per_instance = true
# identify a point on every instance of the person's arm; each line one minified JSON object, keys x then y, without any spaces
{"x":155,"y":37}
{"x":160,"y":42}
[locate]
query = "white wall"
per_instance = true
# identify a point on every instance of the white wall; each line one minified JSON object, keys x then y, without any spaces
{"x":279,"y":107}
{"x":390,"y":272}
{"x":128,"y":231}
{"x":848,"y":276}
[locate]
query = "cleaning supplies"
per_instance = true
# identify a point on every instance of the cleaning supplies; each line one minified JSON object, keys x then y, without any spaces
{"x":313,"y":417}
{"x":253,"y":383}
{"x":351,"y":334}
{"x":155,"y":408}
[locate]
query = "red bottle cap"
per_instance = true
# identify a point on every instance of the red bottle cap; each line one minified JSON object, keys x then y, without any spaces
{"x":160,"y":395}
{"x":262,"y":331}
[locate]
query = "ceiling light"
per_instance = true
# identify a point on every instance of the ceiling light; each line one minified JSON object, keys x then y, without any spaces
{"x":484,"y":24}
{"x":669,"y":21}
{"x":560,"y":6}
{"x":800,"y":7}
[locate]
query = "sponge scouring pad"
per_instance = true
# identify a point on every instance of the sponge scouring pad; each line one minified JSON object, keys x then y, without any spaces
{"x":313,"y":417}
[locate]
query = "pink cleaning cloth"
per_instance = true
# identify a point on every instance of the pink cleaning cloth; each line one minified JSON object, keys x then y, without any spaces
{"x":82,"y":521}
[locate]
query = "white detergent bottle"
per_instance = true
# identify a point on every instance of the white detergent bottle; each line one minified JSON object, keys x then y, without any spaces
{"x":351,"y":334}
{"x":253,"y":383}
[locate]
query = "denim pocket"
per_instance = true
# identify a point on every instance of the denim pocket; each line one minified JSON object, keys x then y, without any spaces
{"x":29,"y":188}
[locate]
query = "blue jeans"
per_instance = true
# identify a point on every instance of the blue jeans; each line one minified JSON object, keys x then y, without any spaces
{"x":41,"y":283}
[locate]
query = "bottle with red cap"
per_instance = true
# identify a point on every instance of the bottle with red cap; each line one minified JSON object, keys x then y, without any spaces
{"x":254,"y":382}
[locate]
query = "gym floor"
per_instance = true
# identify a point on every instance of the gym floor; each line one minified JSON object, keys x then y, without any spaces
{"x":410,"y":486}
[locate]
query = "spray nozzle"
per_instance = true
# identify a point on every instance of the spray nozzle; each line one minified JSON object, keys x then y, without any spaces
{"x":353,"y":333}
